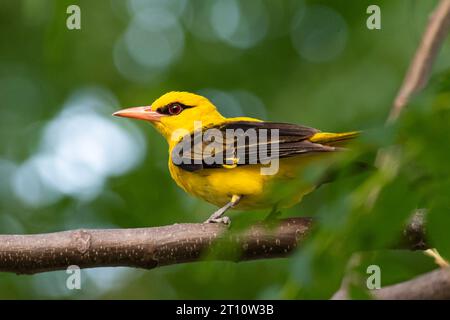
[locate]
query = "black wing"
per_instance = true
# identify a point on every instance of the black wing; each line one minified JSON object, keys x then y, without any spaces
{"x":244,"y":143}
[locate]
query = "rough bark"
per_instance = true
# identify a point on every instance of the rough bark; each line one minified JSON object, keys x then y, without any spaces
{"x":148,"y":247}
{"x":159,"y":246}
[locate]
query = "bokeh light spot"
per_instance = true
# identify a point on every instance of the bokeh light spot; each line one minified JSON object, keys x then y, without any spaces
{"x":319,"y":34}
{"x":80,"y":148}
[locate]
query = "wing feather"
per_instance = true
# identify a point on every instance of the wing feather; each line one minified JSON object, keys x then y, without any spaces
{"x":292,"y":140}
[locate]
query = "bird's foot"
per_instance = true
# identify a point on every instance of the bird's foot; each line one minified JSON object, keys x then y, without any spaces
{"x":218,"y":217}
{"x":225,"y":220}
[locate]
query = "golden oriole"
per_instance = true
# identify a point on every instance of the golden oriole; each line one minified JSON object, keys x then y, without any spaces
{"x":232,"y":180}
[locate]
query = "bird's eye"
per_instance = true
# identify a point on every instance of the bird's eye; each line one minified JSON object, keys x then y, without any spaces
{"x":174,"y":109}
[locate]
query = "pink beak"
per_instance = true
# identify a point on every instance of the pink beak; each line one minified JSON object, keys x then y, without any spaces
{"x":143,"y":113}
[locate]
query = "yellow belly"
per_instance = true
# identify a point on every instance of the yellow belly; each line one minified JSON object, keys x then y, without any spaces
{"x":258,"y":191}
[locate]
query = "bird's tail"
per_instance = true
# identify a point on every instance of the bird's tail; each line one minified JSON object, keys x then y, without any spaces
{"x":332,"y":139}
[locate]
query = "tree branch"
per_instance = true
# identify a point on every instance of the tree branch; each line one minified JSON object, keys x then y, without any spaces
{"x":420,"y":67}
{"x":415,"y":80}
{"x":435,"y":284}
{"x":149,"y":248}
{"x":430,"y":286}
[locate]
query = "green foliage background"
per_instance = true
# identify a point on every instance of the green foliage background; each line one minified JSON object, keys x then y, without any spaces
{"x":314,"y":63}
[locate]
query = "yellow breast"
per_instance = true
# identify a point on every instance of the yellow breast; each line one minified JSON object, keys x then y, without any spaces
{"x":217,"y":186}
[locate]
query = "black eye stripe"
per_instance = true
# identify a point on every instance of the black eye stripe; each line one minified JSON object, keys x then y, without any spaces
{"x":165,"y":109}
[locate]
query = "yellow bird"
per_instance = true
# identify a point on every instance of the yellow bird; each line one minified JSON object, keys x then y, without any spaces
{"x":228,"y":171}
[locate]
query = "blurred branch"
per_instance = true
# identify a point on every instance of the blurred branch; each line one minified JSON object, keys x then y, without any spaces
{"x":436,"y":284}
{"x":432,"y":285}
{"x":429,"y":286}
{"x":415,"y":80}
{"x":149,"y":248}
{"x":420,"y":67}
{"x":414,"y":235}
{"x":414,"y":238}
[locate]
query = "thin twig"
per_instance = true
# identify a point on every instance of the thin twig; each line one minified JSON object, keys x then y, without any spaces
{"x":420,"y":67}
{"x":415,"y":80}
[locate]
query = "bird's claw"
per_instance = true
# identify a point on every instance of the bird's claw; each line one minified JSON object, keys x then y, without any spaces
{"x":225,"y":220}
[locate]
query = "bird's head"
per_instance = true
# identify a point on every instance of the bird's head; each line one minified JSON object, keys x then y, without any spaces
{"x":174,"y":112}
